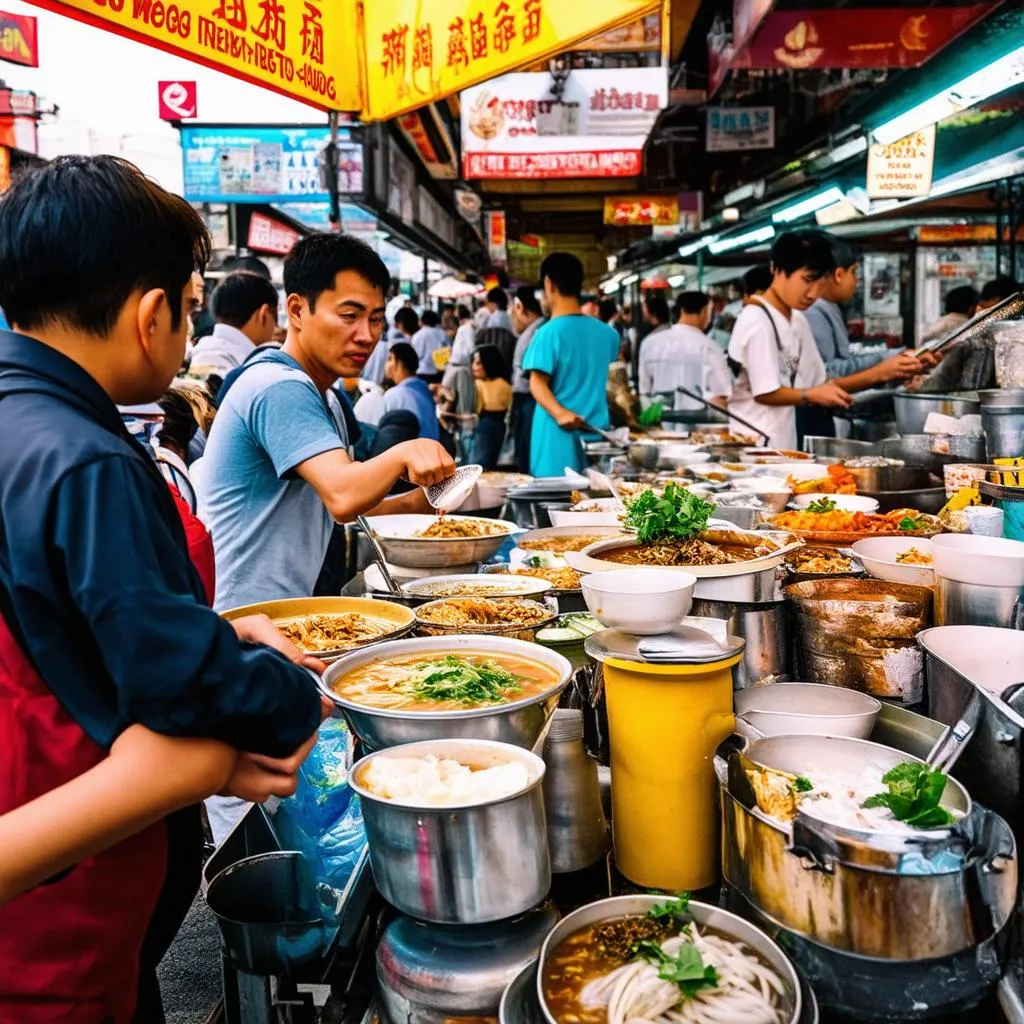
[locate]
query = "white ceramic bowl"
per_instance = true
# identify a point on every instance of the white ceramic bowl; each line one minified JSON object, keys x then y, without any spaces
{"x":564,"y":518}
{"x":968,"y":558}
{"x":783,"y":709}
{"x":878,"y":556}
{"x":762,"y":483}
{"x":641,"y":601}
{"x":800,"y":470}
{"x":845,"y":502}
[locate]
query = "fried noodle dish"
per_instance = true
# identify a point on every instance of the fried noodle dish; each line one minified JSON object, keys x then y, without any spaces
{"x":447,"y":528}
{"x":560,"y":579}
{"x":559,"y":545}
{"x":819,"y":562}
{"x":471,"y":612}
{"x":339,"y":632}
{"x":912,"y":556}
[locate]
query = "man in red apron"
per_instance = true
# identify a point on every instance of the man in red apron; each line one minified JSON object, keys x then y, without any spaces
{"x":102,"y":617}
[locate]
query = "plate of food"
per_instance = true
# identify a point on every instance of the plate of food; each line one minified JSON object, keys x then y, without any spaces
{"x":328,"y":627}
{"x":561,"y":579}
{"x":826,"y":524}
{"x":428,"y":541}
{"x":548,"y":547}
{"x":898,"y":559}
{"x":512,"y":616}
{"x":432,"y":588}
{"x":812,"y":563}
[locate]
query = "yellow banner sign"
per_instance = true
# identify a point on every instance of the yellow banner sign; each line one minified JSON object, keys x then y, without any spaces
{"x":641,"y":211}
{"x":418,"y":51}
{"x":301,"y":48}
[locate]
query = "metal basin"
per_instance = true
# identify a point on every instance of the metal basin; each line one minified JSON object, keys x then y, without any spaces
{"x":397,"y":536}
{"x":837,"y":447}
{"x":912,"y":409}
{"x":891,"y":478}
{"x":519,"y":722}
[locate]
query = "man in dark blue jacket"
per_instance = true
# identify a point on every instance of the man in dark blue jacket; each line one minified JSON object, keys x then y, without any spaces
{"x":102,"y":617}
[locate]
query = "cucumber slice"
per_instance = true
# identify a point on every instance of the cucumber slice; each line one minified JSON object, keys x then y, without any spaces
{"x":558,"y":635}
{"x":583,"y":623}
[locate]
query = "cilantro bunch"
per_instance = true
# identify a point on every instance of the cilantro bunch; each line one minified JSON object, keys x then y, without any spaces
{"x":914,"y":792}
{"x":677,"y":515}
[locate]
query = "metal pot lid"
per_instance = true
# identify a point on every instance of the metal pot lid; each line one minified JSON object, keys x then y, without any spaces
{"x":684,"y":645}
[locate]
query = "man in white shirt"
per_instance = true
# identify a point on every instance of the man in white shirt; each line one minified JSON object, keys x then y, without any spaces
{"x":684,"y":356}
{"x":244,"y":307}
{"x":465,"y":338}
{"x":429,"y":339}
{"x":497,"y":307}
{"x":772,"y":350}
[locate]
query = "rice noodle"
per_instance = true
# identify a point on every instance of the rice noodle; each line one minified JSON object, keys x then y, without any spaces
{"x":747,"y":990}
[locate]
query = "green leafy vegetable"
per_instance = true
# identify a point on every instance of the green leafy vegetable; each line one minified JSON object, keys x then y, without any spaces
{"x":651,"y":416}
{"x":676,"y":908}
{"x":822,"y":505}
{"x":677,"y":515}
{"x":686,"y":968}
{"x":534,"y":562}
{"x":906,"y":523}
{"x":801,"y":784}
{"x":913,"y":796}
{"x":456,"y":680}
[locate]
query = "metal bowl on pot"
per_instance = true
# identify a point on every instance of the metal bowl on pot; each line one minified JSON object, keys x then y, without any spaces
{"x":913,"y":409}
{"x":704,"y":915}
{"x":517,"y":722}
{"x":399,"y":537}
{"x":470,"y":863}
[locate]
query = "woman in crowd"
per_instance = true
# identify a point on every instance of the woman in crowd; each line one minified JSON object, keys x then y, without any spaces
{"x":493,"y":399}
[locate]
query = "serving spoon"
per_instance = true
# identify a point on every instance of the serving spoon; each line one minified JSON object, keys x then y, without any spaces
{"x":364,"y":525}
{"x":450,"y":493}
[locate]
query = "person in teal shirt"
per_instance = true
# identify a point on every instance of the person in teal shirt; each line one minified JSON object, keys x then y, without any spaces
{"x":568,"y":363}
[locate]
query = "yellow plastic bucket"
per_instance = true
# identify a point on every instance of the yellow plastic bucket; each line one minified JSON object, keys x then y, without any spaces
{"x":665,"y":723}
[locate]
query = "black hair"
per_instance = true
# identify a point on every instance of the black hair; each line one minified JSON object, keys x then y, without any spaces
{"x":491,"y":360}
{"x":584,"y":299}
{"x":463,"y":312}
{"x":79,"y":236}
{"x":757,"y":279}
{"x":657,"y":306}
{"x":179,"y":425}
{"x":315,"y":261}
{"x":606,"y":310}
{"x":527,"y":296}
{"x":498,"y":297}
{"x":430,"y":318}
{"x":690,"y":303}
{"x":844,"y":255}
{"x":253,"y":264}
{"x":999,"y":289}
{"x":239,"y":296}
{"x":962,"y":300}
{"x":407,"y":321}
{"x":809,"y":250}
{"x":565,"y":272}
{"x":405,"y":355}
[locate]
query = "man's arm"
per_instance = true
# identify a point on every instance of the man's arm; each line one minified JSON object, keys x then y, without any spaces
{"x":896,"y":368}
{"x":540,"y":388}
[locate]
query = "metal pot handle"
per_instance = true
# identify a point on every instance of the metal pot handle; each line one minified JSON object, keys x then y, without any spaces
{"x":814,"y":849}
{"x":747,"y":730}
{"x":951,"y":745}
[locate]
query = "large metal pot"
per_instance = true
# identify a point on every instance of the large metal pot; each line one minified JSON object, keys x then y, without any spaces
{"x":703,"y":914}
{"x":397,"y":535}
{"x":837,"y":447}
{"x":519,"y":722}
{"x":1004,"y":428}
{"x":765,"y":627}
{"x":469,"y":864}
{"x":913,"y":410}
{"x":433,"y":974}
{"x":861,"y":892}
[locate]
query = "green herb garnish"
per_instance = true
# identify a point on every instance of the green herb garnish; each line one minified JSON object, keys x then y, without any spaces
{"x":677,"y":908}
{"x":677,"y":515}
{"x":906,"y":523}
{"x":801,"y":784}
{"x":822,"y":505}
{"x":914,"y":792}
{"x":455,"y":680}
{"x":686,"y":969}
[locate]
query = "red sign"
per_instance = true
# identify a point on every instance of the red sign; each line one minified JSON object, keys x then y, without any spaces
{"x":5,"y":168}
{"x":269,"y":235}
{"x":177,"y":101}
{"x":18,"y":41}
{"x":618,"y":163}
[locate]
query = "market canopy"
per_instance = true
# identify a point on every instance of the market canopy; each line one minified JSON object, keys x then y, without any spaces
{"x":376,"y":59}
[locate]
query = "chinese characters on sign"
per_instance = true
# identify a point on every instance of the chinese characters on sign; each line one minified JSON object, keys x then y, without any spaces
{"x":269,"y":235}
{"x":902,"y":169}
{"x":18,"y":40}
{"x":740,"y":128}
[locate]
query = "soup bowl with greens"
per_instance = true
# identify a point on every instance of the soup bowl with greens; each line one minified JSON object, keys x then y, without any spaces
{"x":447,"y":687}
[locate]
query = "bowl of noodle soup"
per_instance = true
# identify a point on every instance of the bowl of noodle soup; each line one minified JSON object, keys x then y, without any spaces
{"x":468,"y":686}
{"x":590,"y":971}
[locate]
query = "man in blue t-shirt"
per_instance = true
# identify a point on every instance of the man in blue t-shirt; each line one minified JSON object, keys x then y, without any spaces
{"x":568,"y":362}
{"x":410,"y":392}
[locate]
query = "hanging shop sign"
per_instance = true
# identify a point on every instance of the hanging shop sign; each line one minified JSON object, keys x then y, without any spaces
{"x":18,"y":39}
{"x":468,"y":204}
{"x":433,"y":217}
{"x":417,"y":53}
{"x":317,"y":217}
{"x":902,"y":169}
{"x":295,"y":47}
{"x":438,"y":160}
{"x":514,"y":127}
{"x":497,"y":237}
{"x":225,"y":164}
{"x":740,"y":128}
{"x":269,"y":235}
{"x":177,"y":100}
{"x":401,"y":198}
{"x":19,"y":123}
{"x":640,"y":36}
{"x":641,"y":211}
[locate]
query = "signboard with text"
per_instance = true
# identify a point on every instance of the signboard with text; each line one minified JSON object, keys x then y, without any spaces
{"x":732,"y":129}
{"x":19,"y":40}
{"x":497,"y":237}
{"x":264,"y":165}
{"x":514,"y":127}
{"x":641,"y":211}
{"x":903,"y":169}
{"x":177,"y":100}
{"x":269,"y":235}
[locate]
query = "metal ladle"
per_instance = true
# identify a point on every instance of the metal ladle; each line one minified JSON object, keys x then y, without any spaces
{"x":365,"y":526}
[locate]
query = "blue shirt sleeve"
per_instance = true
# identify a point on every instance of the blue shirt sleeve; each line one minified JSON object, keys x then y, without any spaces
{"x":177,"y":667}
{"x":541,"y":355}
{"x":290,"y":421}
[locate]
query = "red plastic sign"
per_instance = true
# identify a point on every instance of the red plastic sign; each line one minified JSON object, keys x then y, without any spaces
{"x":177,"y":101}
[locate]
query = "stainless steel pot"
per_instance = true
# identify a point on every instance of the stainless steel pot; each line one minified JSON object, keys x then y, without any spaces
{"x":519,"y":722}
{"x":876,"y":479}
{"x":861,"y":892}
{"x":430,"y":973}
{"x":837,"y":447}
{"x":766,"y":629}
{"x":703,"y":914}
{"x":788,"y":708}
{"x":1004,"y":430}
{"x":912,"y":409}
{"x":967,"y":604}
{"x":468,"y":864}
